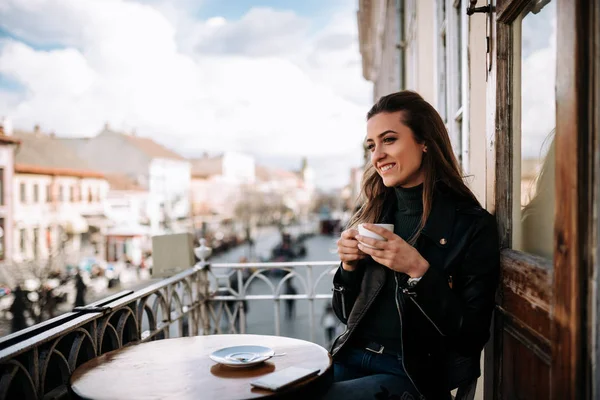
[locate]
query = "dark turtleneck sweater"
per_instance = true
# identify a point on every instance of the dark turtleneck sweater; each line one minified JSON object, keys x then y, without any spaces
{"x":381,"y":324}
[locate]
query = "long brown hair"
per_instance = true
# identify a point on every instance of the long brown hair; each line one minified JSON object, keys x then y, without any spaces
{"x":439,"y":163}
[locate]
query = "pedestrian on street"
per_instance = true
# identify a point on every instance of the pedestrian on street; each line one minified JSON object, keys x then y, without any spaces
{"x":418,"y":302}
{"x":48,"y":302}
{"x":290,"y":304}
{"x":329,"y":322}
{"x":17,"y":309}
{"x":80,"y":289}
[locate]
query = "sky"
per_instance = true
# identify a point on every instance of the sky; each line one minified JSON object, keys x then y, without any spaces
{"x":279,"y":79}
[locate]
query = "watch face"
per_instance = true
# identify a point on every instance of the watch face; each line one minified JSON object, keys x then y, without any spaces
{"x":412,"y":283}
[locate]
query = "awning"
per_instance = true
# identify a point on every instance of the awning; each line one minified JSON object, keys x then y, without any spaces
{"x":131,"y":229}
{"x":99,"y":221}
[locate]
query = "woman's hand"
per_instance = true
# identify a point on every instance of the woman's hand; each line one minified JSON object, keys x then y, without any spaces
{"x":348,"y":249}
{"x":395,"y":253}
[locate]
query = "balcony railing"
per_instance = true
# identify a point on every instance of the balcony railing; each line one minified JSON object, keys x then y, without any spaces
{"x":36,"y":363}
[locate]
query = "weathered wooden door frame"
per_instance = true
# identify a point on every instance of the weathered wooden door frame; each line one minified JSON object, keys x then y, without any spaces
{"x":559,"y":331}
{"x":593,"y":363}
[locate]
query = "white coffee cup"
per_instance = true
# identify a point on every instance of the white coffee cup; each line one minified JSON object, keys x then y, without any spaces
{"x":362,"y":231}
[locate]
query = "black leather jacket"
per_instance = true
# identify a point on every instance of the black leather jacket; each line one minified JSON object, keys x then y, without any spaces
{"x":446,"y":317}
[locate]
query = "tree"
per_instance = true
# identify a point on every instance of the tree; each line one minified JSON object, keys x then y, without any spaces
{"x":47,"y":278}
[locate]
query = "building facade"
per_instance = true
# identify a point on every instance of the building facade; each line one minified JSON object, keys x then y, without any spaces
{"x":163,"y":173}
{"x":58,"y":202}
{"x":516,"y":83}
{"x":217,"y":183}
{"x":8,"y":145}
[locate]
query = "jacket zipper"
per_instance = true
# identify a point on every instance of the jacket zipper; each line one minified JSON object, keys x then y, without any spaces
{"x":398,"y":307}
{"x":341,"y":289}
{"x":333,"y":352}
{"x":423,"y":311}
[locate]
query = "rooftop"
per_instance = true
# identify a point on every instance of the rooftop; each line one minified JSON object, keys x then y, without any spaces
{"x":123,"y":182}
{"x":205,"y":167}
{"x":41,"y":153}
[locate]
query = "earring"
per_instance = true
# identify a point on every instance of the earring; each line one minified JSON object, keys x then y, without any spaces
{"x":425,"y":149}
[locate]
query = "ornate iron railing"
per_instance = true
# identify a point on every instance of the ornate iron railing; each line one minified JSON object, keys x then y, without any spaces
{"x":36,"y":363}
{"x":227,"y":300}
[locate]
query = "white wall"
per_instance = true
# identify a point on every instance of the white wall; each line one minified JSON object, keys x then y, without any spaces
{"x":170,"y":183}
{"x":477,"y":106}
{"x":30,"y":214}
{"x":217,"y":194}
{"x":388,"y":66}
{"x":125,"y":206}
{"x":45,"y":215}
{"x":425,"y":51}
{"x":6,"y":209}
{"x":238,"y":167}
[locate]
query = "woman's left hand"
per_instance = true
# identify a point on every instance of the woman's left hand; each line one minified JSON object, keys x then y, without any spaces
{"x":395,"y":253}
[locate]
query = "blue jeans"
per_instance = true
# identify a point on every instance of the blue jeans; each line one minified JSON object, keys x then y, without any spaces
{"x":362,"y":374}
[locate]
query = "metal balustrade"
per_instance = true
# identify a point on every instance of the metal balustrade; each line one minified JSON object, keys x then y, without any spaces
{"x":36,"y":363}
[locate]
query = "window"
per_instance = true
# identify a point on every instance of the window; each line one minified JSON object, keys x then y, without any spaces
{"x":2,"y":238}
{"x":23,"y":241}
{"x":82,"y":193}
{"x":36,"y":193}
{"x":36,"y":243}
{"x":90,"y":196}
{"x":49,"y":239}
{"x":48,"y":193}
{"x":23,"y":193}
{"x":61,"y":193}
{"x":534,"y":116}
{"x":410,"y":43}
{"x":72,"y":194}
{"x":452,"y":75}
{"x":1,"y":186}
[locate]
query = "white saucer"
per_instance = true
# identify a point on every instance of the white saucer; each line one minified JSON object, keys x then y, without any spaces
{"x":242,"y":356}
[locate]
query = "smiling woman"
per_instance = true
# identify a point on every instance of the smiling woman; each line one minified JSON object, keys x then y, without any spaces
{"x":417,"y":304}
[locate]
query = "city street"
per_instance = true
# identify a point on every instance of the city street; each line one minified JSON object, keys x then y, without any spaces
{"x":261,"y":313}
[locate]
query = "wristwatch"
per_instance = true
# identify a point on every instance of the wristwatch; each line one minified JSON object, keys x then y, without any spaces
{"x":412,"y":282}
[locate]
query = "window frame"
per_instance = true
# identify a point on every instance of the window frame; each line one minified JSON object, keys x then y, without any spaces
{"x":452,"y":101}
{"x":3,"y":239}
{"x":2,"y":181}
{"x":22,"y":192}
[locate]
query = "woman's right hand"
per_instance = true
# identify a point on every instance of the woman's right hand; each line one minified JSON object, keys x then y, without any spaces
{"x":348,"y":249}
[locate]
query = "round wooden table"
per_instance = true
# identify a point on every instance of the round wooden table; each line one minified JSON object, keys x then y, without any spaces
{"x":181,"y":369}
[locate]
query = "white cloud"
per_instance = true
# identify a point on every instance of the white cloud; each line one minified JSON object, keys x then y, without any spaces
{"x":263,"y":84}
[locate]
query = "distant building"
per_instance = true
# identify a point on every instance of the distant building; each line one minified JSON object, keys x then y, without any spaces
{"x":58,"y":201}
{"x":7,"y":152}
{"x":162,"y":172}
{"x":126,"y":205}
{"x":217,"y":182}
{"x":351,"y":193}
{"x":221,"y":184}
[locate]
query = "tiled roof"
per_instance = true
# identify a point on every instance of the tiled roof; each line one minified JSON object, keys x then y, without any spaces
{"x":151,"y":148}
{"x":4,"y":139}
{"x":37,"y":170}
{"x":123,"y":182}
{"x":207,"y":166}
{"x":265,"y":174}
{"x":42,"y":152}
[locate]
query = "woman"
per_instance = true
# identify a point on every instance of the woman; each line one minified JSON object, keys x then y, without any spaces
{"x":418,"y":306}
